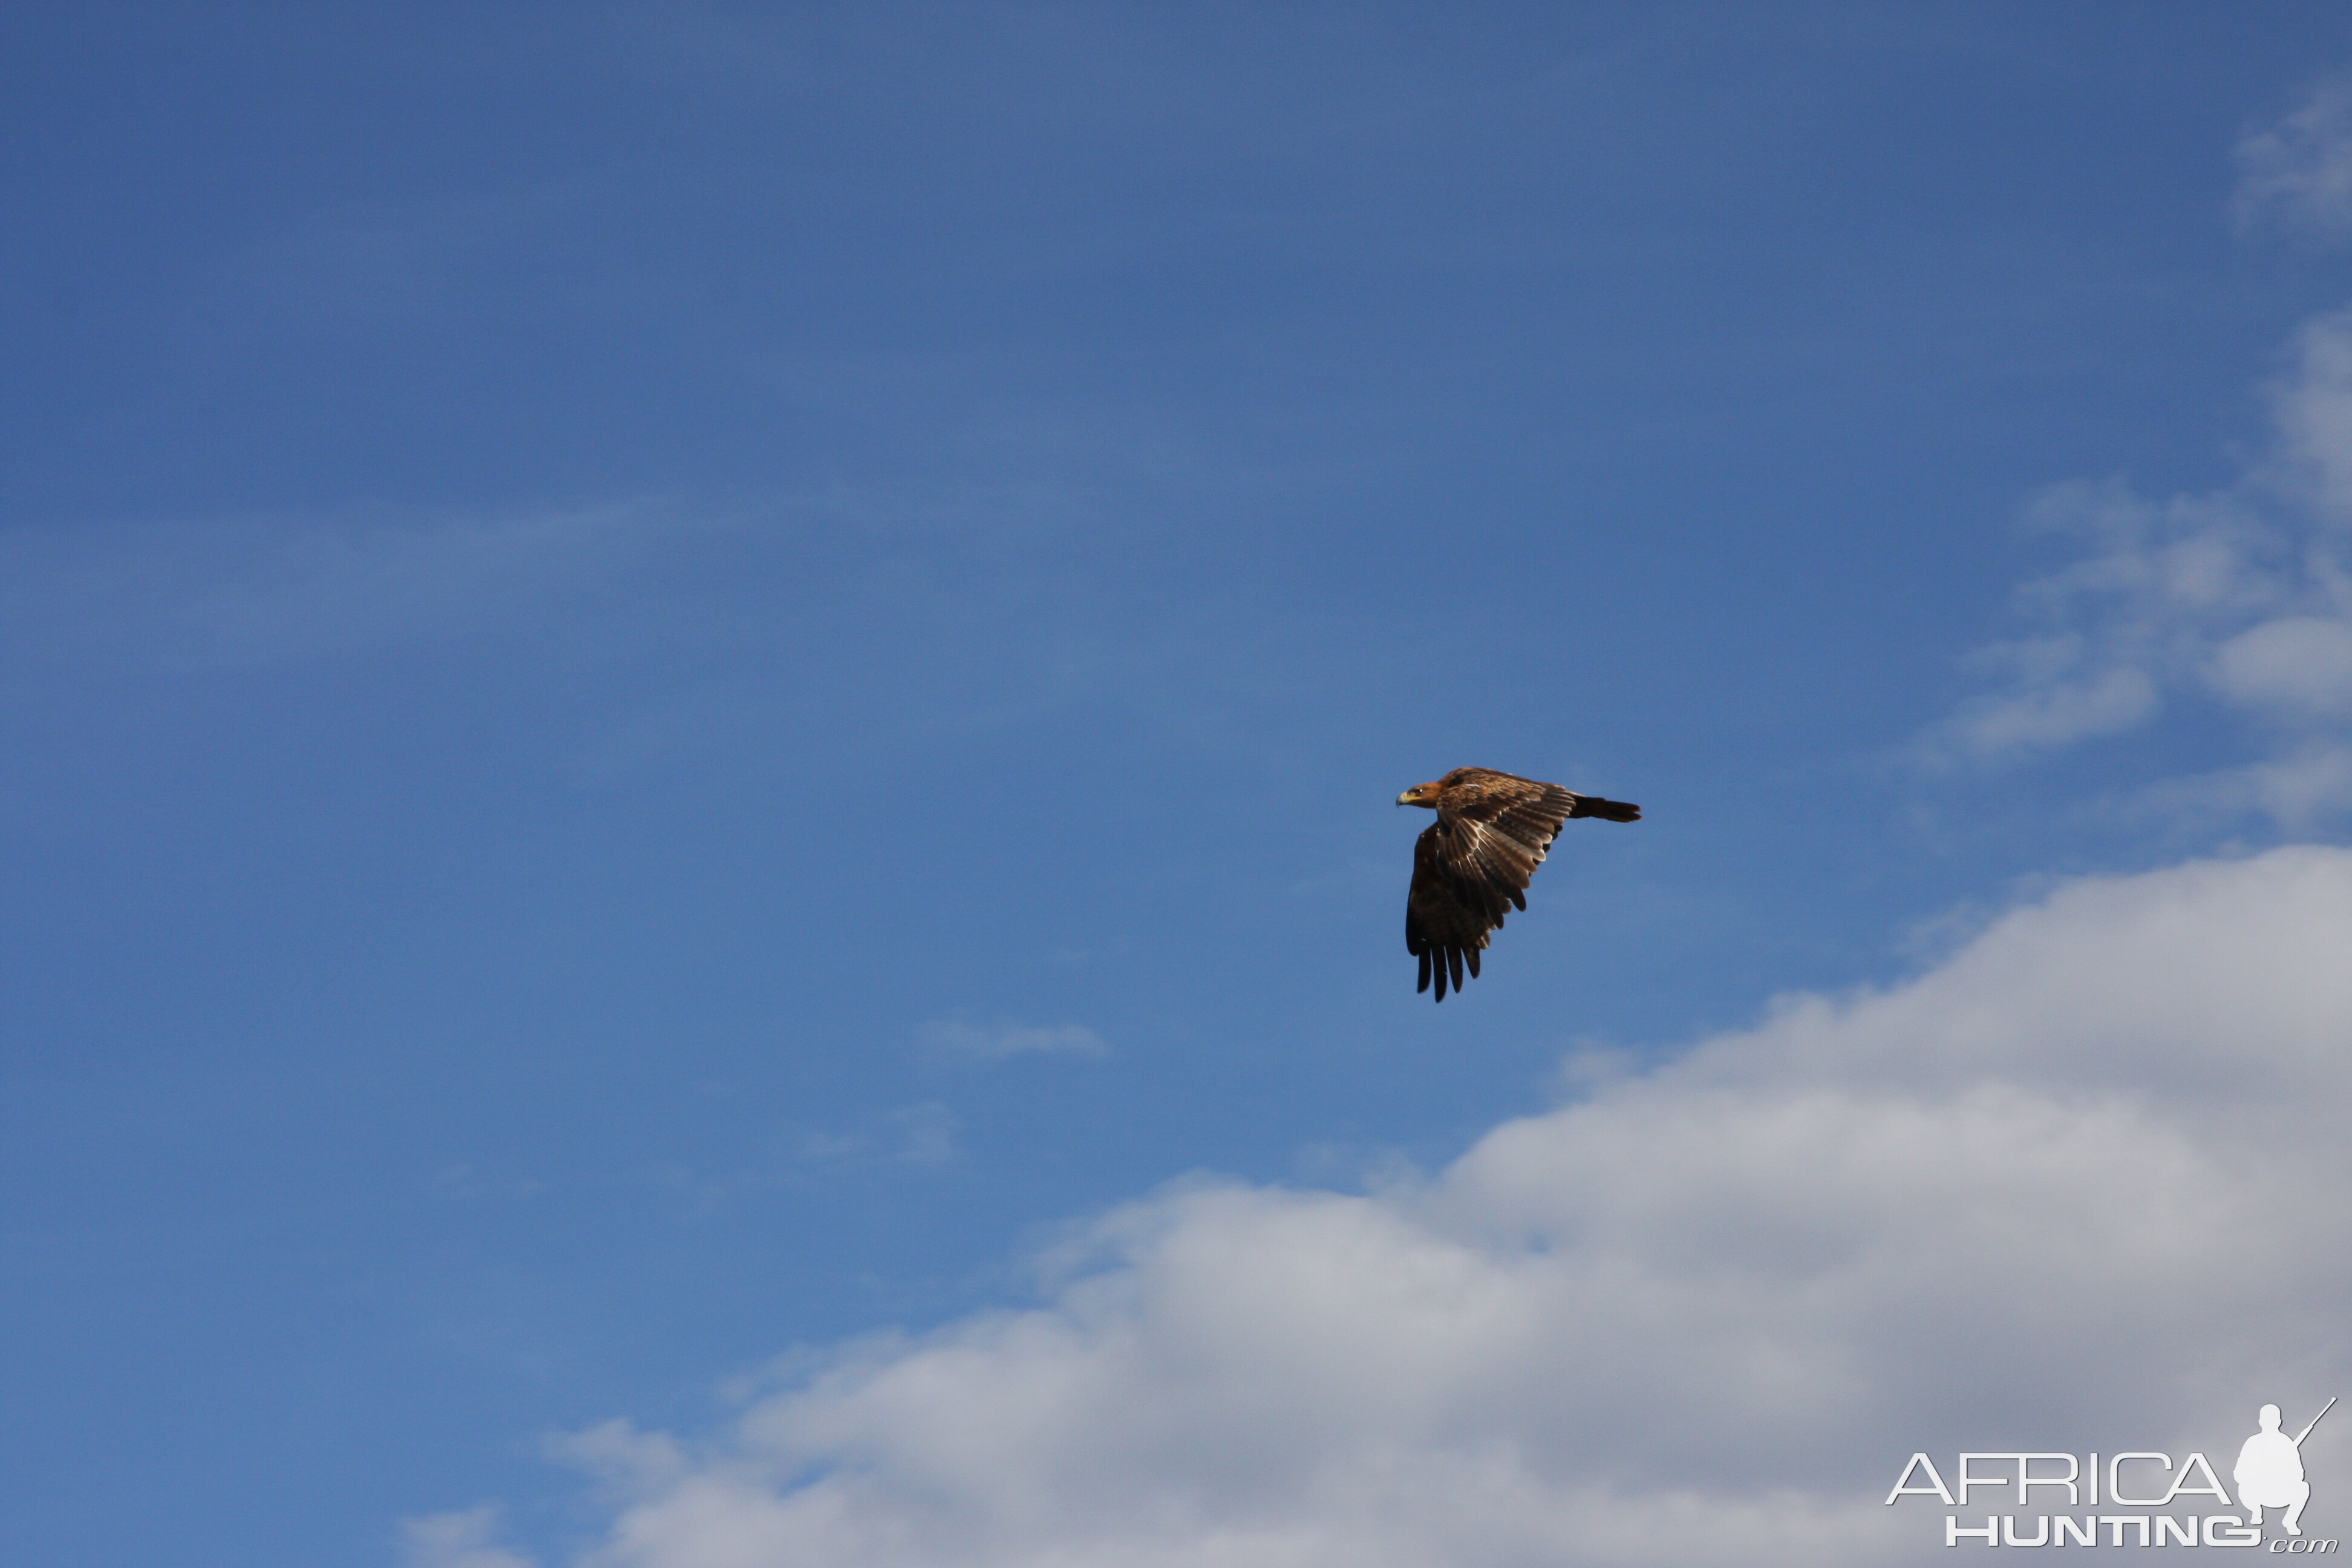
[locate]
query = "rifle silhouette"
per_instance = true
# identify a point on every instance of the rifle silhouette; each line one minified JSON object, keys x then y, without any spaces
{"x":2314,"y":1421}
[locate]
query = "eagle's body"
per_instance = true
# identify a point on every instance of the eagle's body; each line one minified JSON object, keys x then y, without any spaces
{"x":1473,"y":864}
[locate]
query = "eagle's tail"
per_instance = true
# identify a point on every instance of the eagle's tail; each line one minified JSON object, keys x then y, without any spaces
{"x":1607,"y":810}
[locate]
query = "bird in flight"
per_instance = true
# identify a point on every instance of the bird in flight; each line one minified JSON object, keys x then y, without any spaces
{"x":1474,"y":863}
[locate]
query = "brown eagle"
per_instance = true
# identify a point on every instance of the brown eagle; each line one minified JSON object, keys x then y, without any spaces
{"x":1474,"y":863}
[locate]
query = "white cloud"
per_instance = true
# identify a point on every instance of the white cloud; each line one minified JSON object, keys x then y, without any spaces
{"x":2314,"y":409}
{"x":2074,"y":1188}
{"x":2297,"y":173}
{"x":462,"y":1540}
{"x":2299,"y":789}
{"x":2051,"y":712}
{"x":2302,"y":663}
{"x":2243,"y":596}
{"x":997,"y":1041}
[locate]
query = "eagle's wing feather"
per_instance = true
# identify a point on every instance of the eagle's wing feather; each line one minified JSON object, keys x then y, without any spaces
{"x":1472,"y":866}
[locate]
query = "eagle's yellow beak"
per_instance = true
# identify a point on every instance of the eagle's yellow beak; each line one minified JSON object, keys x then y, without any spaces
{"x":1411,"y":797}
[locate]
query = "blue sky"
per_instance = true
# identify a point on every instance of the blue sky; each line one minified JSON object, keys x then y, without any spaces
{"x":681,"y":681}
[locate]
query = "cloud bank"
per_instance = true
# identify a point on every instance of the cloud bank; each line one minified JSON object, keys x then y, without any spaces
{"x":2072,"y":1189}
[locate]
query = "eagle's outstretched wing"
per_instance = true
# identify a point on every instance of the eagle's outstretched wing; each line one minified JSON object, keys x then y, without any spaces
{"x":1472,"y":866}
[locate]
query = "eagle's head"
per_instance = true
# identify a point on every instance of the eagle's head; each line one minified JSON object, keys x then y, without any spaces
{"x":1422,"y":794}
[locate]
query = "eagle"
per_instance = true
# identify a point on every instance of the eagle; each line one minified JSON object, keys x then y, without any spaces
{"x":1474,"y":863}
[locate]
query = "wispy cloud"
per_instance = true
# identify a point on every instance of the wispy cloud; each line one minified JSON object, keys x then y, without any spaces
{"x":1707,"y":1311}
{"x":925,"y":1134}
{"x":2241,"y":597}
{"x":461,"y":1539}
{"x":995,"y":1042}
{"x":2297,"y":173}
{"x":920,"y":1134}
